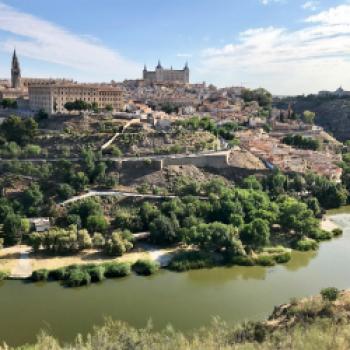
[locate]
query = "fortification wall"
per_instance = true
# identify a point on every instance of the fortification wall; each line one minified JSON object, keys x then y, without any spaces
{"x":216,"y":161}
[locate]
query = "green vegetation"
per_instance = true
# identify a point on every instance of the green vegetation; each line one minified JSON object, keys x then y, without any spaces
{"x":302,"y":142}
{"x":3,"y":275}
{"x":8,"y":103}
{"x":191,"y":260}
{"x":145,"y":267}
{"x":81,"y":275}
{"x":306,"y":244}
{"x":330,"y":294}
{"x":262,"y":96}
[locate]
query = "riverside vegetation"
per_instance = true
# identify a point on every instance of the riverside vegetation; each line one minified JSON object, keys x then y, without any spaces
{"x":253,"y":222}
{"x":320,"y":322}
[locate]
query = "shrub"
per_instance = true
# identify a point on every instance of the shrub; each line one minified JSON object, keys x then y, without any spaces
{"x":282,"y":258}
{"x":40,"y":275}
{"x":58,"y":274}
{"x":96,"y":272}
{"x":321,"y":235}
{"x":337,"y":232}
{"x":330,"y":294}
{"x":3,"y":275}
{"x":242,"y":261}
{"x":265,"y":260}
{"x":306,"y":244}
{"x":145,"y":267}
{"x":191,"y":260}
{"x":113,"y":270}
{"x":77,"y":277}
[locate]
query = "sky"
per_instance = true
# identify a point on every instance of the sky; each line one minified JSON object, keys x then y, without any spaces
{"x":286,"y":46}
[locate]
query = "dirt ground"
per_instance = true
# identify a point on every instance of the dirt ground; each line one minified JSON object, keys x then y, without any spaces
{"x":11,"y":258}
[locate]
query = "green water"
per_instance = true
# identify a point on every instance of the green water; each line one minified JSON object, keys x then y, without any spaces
{"x":186,"y":300}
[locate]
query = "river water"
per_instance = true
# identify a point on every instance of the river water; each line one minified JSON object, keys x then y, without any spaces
{"x":185,"y":300}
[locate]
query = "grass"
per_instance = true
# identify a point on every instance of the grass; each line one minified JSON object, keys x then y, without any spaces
{"x":306,"y":244}
{"x":191,"y":260}
{"x":145,"y":267}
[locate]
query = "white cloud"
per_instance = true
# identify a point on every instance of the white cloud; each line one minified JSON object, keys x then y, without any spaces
{"x":309,"y":59}
{"x":39,"y":39}
{"x":311,"y":5}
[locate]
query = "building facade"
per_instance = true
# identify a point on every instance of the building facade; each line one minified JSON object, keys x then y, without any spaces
{"x":52,"y":98}
{"x":161,"y":75}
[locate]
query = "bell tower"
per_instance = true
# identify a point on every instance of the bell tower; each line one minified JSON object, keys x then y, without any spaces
{"x":15,"y":72}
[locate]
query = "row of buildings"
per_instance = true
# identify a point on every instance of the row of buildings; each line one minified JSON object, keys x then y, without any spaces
{"x":51,"y":95}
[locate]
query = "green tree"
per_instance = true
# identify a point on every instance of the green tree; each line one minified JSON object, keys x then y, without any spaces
{"x":12,"y":229}
{"x":257,"y":233}
{"x":97,"y":223}
{"x":309,"y":117}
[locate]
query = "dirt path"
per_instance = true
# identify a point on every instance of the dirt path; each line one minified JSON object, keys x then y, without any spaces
{"x":20,"y":262}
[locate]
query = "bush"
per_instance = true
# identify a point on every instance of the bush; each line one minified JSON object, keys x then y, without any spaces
{"x":40,"y":275}
{"x":282,"y":258}
{"x":306,"y":244}
{"x":78,"y":277}
{"x":265,"y":260}
{"x":145,"y":267}
{"x":58,"y":274}
{"x":96,"y":272}
{"x":191,"y":260}
{"x":3,"y":275}
{"x":330,"y":294}
{"x":113,"y":270}
{"x":242,"y":261}
{"x":321,"y":235}
{"x":337,"y":232}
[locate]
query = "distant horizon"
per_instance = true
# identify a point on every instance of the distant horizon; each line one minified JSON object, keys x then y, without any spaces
{"x":288,"y":47}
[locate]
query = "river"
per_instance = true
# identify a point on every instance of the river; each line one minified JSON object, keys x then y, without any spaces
{"x":185,"y":300}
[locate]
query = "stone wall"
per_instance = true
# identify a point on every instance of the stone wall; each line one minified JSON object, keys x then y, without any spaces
{"x":216,"y":161}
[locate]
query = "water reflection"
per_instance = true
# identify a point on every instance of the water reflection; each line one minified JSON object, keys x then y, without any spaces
{"x":221,"y":275}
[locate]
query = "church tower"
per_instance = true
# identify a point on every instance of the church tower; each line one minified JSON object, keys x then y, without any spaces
{"x":15,"y":72}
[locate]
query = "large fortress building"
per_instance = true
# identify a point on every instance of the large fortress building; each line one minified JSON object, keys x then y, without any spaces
{"x":161,"y":75}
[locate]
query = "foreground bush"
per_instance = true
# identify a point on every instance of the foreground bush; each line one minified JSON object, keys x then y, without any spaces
{"x":40,"y":275}
{"x":96,"y":272}
{"x":330,"y":294}
{"x":191,"y":260}
{"x":114,"y":270}
{"x":145,"y":267}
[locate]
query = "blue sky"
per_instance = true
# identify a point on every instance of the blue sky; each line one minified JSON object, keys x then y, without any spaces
{"x":287,"y":46}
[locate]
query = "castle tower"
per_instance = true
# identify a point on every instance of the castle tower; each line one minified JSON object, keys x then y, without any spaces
{"x":15,"y":72}
{"x":159,"y":72}
{"x":187,"y":73}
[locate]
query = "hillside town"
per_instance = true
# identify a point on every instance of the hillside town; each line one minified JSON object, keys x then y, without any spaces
{"x":164,"y":97}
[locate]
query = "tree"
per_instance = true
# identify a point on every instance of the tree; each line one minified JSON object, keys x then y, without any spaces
{"x":252,"y":183}
{"x":119,"y":243}
{"x":98,"y":241}
{"x":32,"y":199}
{"x":12,"y":229}
{"x":21,"y":131}
{"x":163,"y":230}
{"x":257,"y":233}
{"x":109,"y":108}
{"x":309,"y":117}
{"x":330,"y":294}
{"x":97,"y":223}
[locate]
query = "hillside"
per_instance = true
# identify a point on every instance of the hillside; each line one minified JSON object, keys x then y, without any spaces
{"x":333,"y":114}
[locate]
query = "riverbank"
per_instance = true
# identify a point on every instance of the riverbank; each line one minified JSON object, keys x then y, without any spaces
{"x":20,"y":262}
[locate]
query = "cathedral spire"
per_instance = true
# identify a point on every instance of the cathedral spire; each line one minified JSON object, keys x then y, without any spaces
{"x":15,"y":71}
{"x":159,"y":66}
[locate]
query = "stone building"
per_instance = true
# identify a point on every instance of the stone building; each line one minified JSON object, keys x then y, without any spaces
{"x":52,"y":97}
{"x":161,"y":75}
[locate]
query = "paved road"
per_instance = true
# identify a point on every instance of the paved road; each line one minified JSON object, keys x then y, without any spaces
{"x":121,"y":159}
